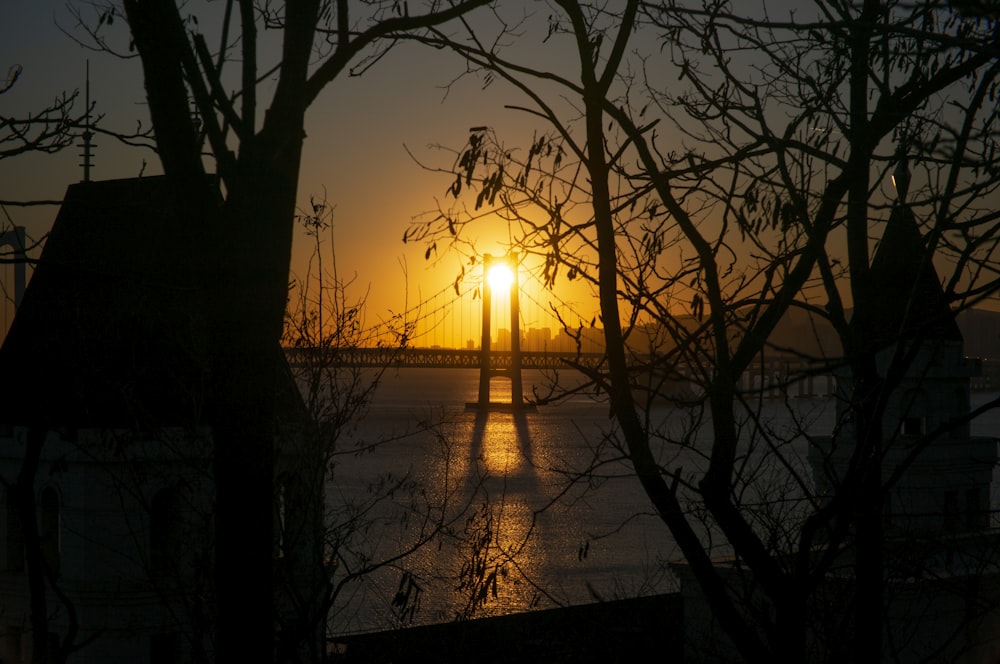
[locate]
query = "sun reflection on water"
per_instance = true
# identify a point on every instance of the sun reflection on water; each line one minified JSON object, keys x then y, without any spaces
{"x":491,"y":478}
{"x":501,"y":446}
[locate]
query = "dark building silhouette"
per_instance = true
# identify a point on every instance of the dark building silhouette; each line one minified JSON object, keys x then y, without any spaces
{"x":108,"y":359}
{"x":948,"y":486}
{"x":942,"y":585}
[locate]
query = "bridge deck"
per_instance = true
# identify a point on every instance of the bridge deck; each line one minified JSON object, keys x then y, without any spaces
{"x":779,"y":376}
{"x":440,"y":358}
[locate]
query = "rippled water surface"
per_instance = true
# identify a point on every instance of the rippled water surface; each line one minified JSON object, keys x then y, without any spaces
{"x":547,"y":539}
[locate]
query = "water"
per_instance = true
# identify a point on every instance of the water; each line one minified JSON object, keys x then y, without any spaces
{"x":507,"y":480}
{"x":553,"y":542}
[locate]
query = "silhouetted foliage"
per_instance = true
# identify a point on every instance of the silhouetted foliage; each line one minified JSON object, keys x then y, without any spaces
{"x":255,"y":146}
{"x":710,"y":169}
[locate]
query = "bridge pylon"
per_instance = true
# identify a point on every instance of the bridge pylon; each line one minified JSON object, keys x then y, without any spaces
{"x":486,"y":372}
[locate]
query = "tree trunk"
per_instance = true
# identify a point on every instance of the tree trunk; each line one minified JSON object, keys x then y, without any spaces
{"x":867,"y":498}
{"x":249,"y":305}
{"x":248,"y":250}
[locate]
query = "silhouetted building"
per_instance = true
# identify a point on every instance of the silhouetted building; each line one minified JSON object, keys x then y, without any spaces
{"x":583,"y":339}
{"x":947,"y":487}
{"x":107,"y":362}
{"x":537,"y":338}
{"x":941,"y":554}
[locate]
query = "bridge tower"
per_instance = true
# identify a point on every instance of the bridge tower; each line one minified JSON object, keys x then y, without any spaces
{"x":513,"y":372}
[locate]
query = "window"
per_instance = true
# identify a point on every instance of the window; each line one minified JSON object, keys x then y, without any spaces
{"x":48,"y":532}
{"x":961,"y":409}
{"x":975,"y":517}
{"x":13,"y":535}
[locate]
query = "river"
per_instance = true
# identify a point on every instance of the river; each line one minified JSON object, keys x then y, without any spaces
{"x":507,"y":481}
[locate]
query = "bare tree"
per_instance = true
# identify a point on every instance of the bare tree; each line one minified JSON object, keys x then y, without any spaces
{"x":324,"y":325}
{"x":49,"y":130}
{"x":255,"y":146}
{"x":707,"y":190}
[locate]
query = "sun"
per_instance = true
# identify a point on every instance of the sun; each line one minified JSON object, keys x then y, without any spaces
{"x":500,"y":278}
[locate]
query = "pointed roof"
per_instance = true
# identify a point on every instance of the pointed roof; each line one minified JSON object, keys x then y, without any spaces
{"x":908,"y":301}
{"x":112,"y":329}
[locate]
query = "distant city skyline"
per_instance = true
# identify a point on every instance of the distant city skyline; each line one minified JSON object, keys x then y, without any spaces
{"x":980,"y":328}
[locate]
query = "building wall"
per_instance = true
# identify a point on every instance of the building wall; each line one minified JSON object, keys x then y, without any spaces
{"x":946,"y":480}
{"x":106,"y":484}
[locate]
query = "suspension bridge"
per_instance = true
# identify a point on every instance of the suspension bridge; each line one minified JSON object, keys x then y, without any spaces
{"x":455,"y":323}
{"x":499,"y":330}
{"x":465,"y":326}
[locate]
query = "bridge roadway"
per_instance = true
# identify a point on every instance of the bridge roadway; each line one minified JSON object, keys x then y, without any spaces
{"x":440,"y":358}
{"x":774,"y":378}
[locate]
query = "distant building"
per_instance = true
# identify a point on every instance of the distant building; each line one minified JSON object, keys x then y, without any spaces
{"x":947,"y":488}
{"x":537,"y":338}
{"x":106,"y":365}
{"x":584,"y":339}
{"x":942,"y":583}
{"x":502,"y":340}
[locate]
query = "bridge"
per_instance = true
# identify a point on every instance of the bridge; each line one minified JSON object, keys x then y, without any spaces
{"x":553,"y":333}
{"x":471,"y":308}
{"x":469,"y":314}
{"x":440,"y":358}
{"x":463,"y":313}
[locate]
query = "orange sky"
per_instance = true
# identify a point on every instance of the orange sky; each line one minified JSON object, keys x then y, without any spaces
{"x":359,"y":131}
{"x":356,"y":151}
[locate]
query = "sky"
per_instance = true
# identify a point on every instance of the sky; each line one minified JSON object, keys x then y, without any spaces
{"x":361,"y":132}
{"x":359,"y":136}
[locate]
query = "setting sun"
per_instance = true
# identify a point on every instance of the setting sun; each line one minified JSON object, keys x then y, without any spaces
{"x":500,"y":277}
